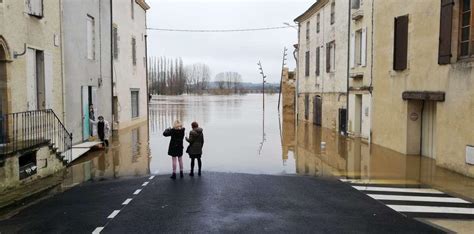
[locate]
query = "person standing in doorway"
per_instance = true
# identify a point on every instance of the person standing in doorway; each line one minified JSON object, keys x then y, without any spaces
{"x":196,"y":142}
{"x":175,"y":149}
{"x":103,"y":130}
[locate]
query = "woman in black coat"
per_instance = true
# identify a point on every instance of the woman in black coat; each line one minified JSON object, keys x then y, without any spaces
{"x":175,"y":149}
{"x":196,"y":142}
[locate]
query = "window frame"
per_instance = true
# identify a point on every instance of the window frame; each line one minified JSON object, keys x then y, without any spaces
{"x":30,"y":11}
{"x":90,"y":49}
{"x":134,"y":51}
{"x":137,"y":106}
{"x":333,"y":12}
{"x":308,"y":31}
{"x":115,"y":40}
{"x":307,"y":64}
{"x":318,"y":22}
{"x":470,"y":40}
{"x":132,"y":8}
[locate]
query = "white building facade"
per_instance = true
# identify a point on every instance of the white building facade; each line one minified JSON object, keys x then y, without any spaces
{"x":130,"y":91}
{"x":322,"y":64}
{"x":360,"y":79}
{"x":87,"y":64}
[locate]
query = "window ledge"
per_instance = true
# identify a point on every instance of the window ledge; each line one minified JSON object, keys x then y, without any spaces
{"x":357,"y":15}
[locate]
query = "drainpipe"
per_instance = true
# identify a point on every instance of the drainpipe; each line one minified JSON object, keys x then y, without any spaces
{"x":421,"y":127}
{"x":112,"y":63}
{"x":371,"y":68}
{"x":63,"y":84}
{"x":146,"y":75}
{"x":348,"y":65}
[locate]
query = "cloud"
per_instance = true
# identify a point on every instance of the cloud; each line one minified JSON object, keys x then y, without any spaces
{"x":239,"y":51}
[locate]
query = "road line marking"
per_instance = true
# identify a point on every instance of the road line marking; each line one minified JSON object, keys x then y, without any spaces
{"x":114,"y":213}
{"x":137,"y":192}
{"x":432,"y":209}
{"x":403,"y":190}
{"x":151,"y":177}
{"x":98,"y":230}
{"x":145,"y":184}
{"x":417,"y":198}
{"x":127,"y":201}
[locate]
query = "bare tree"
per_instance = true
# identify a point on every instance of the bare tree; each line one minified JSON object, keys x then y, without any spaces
{"x":198,"y":77}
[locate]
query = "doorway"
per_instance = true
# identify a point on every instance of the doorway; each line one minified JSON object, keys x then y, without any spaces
{"x":317,"y":108}
{"x":358,"y":115}
{"x":3,"y":95}
{"x":428,"y":129}
{"x":35,"y":80}
{"x":306,"y":107}
{"x":89,"y":111}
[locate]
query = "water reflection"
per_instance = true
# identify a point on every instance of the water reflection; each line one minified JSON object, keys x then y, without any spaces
{"x":371,"y":164}
{"x":128,"y":156}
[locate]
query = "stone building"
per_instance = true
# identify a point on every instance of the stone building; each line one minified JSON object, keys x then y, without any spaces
{"x":360,"y":76}
{"x":33,"y":140}
{"x":87,"y":64}
{"x":423,"y":98}
{"x":130,"y":91}
{"x":322,"y":64}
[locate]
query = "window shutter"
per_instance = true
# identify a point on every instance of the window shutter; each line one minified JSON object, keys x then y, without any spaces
{"x":48,"y":80}
{"x":400,"y":43}
{"x":363,"y":49}
{"x":445,"y":31}
{"x":317,"y":61}
{"x":306,"y":69}
{"x":352,"y":50}
{"x":328,"y":57}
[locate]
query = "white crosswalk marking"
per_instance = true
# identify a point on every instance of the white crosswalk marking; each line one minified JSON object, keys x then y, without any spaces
{"x":417,"y":198}
{"x":432,"y":209}
{"x":402,"y":190}
{"x":151,"y":177}
{"x":145,"y":184}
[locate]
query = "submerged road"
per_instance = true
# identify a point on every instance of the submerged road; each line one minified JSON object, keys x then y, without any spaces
{"x":215,"y":202}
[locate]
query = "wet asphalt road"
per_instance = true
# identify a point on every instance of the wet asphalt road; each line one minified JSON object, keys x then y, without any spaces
{"x":215,"y":202}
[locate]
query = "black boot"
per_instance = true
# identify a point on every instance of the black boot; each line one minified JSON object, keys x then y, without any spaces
{"x":173,"y":176}
{"x":199,"y":172}
{"x":181,"y":174}
{"x":191,"y":173}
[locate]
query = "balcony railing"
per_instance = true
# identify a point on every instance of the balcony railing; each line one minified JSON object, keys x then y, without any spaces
{"x":23,"y":131}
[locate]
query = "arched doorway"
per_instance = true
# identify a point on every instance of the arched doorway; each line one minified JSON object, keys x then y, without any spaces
{"x":4,"y":58}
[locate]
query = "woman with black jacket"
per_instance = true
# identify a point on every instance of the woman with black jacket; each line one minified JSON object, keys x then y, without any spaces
{"x":196,"y":142}
{"x":175,"y":149}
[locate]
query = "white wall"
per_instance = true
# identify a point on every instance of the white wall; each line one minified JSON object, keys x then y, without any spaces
{"x":126,"y":75}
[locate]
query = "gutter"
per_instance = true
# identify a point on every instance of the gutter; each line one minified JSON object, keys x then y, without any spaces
{"x":112,"y":122}
{"x":349,"y":21}
{"x":146,"y":75}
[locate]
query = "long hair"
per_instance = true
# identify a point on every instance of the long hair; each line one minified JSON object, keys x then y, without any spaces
{"x":177,"y":124}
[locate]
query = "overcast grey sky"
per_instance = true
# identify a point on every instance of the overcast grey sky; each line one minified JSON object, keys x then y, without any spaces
{"x":237,"y":51}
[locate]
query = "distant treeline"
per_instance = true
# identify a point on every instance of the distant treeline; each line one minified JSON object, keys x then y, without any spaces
{"x":170,"y":77}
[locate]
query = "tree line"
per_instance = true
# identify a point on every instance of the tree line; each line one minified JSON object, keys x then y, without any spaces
{"x":169,"y":76}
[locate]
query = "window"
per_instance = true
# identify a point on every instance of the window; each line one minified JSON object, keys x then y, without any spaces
{"x":358,"y":48}
{"x":333,"y":12}
{"x":135,"y":99}
{"x":34,"y":7}
{"x":317,"y":61}
{"x":307,"y":29}
{"x":134,"y":51}
{"x":400,"y":50}
{"x":355,"y":4}
{"x":330,"y":56}
{"x":90,"y":31}
{"x":306,"y":64}
{"x":317,"y":23}
{"x":466,"y":42}
{"x":132,"y":8}
{"x":115,"y":41}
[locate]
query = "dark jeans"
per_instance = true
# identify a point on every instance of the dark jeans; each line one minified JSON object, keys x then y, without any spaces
{"x":193,"y":157}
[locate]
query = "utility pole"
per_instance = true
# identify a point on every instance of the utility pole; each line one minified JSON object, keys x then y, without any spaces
{"x":281,"y":78}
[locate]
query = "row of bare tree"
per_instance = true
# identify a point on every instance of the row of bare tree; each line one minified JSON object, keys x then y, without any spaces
{"x":170,"y":77}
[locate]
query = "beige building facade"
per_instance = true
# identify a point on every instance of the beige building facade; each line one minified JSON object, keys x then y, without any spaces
{"x":423,"y":98}
{"x":34,"y":143}
{"x":322,"y":63}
